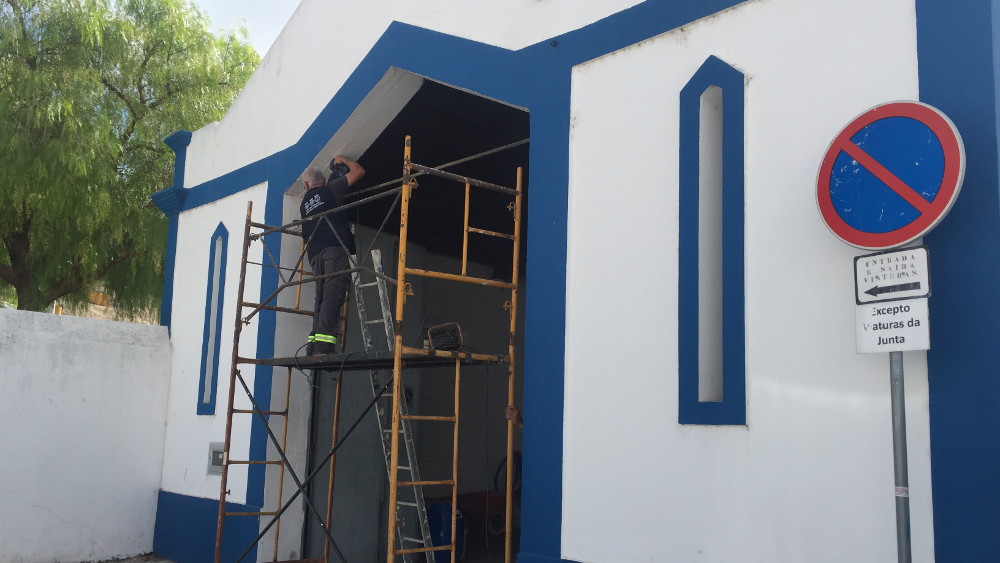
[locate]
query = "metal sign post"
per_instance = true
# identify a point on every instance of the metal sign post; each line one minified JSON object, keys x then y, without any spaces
{"x":891,"y":291}
{"x":888,"y":178}
{"x":900,"y":469}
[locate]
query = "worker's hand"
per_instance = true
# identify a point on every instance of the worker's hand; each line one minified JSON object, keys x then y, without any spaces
{"x":513,"y":414}
{"x":357,"y":171}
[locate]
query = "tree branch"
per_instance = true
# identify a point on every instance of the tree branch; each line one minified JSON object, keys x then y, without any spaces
{"x":74,"y":281}
{"x":121,"y":95}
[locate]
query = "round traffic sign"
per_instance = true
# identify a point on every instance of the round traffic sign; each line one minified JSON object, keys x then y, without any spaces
{"x":891,"y":175}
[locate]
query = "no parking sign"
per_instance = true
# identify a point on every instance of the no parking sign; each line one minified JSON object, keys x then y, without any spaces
{"x":891,"y":175}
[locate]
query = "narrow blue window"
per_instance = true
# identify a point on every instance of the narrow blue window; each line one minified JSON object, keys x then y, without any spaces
{"x":712,"y":333}
{"x":213,"y":321}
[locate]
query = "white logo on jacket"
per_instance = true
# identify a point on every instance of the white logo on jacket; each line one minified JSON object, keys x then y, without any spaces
{"x":313,"y":203}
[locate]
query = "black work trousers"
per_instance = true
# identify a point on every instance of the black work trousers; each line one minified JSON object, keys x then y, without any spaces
{"x":330,"y":292}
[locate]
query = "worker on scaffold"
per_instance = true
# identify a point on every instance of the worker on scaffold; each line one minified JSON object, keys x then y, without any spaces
{"x":329,"y":250}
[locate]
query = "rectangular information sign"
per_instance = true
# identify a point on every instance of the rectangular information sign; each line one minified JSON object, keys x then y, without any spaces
{"x":888,"y":276}
{"x":896,"y":326}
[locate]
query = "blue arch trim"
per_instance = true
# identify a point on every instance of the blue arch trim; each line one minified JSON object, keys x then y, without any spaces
{"x":732,"y":408}
{"x":209,"y":373}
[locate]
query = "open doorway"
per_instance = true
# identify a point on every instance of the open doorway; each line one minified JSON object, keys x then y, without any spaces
{"x":446,"y":124}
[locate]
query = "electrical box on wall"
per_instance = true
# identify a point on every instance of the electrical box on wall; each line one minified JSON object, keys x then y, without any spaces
{"x":215,"y":453}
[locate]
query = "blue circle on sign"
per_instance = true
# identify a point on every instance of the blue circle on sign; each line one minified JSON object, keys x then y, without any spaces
{"x":910,"y":152}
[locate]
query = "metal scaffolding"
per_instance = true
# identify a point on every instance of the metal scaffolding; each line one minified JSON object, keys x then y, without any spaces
{"x":397,"y":358}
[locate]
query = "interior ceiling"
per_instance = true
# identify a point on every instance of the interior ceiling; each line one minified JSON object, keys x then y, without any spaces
{"x":448,"y":124}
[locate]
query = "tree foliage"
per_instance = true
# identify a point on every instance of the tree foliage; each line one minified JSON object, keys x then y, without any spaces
{"x":88,"y":90}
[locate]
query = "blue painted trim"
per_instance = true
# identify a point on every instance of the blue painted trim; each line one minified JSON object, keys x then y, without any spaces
{"x":185,"y":529}
{"x":732,"y":408}
{"x":167,"y":299}
{"x":213,"y":370}
{"x":958,"y":70}
{"x":179,"y":142}
{"x":171,"y":202}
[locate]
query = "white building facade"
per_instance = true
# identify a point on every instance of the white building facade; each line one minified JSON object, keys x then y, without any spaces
{"x":674,"y":149}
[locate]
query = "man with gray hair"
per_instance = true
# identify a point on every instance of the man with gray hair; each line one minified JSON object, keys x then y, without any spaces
{"x":330,"y":243}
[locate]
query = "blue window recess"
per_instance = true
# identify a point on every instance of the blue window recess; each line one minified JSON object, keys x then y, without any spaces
{"x":209,"y":375}
{"x":712,"y":333}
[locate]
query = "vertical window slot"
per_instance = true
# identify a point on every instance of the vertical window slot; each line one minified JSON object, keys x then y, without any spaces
{"x":213,"y":322}
{"x":710,"y":247}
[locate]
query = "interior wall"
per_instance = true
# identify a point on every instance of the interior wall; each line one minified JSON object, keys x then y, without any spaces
{"x":485,"y":326}
{"x":83,"y":409}
{"x":809,"y":478}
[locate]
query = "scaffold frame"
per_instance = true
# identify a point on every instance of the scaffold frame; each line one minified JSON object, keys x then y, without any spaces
{"x":397,"y":359}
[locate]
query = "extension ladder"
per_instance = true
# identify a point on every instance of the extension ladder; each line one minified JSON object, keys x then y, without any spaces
{"x":414,"y":504}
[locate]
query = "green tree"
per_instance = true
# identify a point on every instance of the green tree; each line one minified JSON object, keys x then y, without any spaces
{"x":88,"y":90}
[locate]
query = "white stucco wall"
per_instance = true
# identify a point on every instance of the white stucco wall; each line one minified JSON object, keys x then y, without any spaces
{"x":82,"y":414}
{"x":189,"y":434}
{"x":810,"y":478}
{"x":334,"y":39}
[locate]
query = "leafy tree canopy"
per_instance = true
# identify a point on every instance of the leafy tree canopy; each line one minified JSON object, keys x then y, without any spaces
{"x":88,"y":90}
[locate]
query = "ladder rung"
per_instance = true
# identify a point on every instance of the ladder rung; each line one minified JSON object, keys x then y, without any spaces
{"x":423,"y":549}
{"x":410,"y":504}
{"x":253,"y":462}
{"x":368,"y":284}
{"x":491,"y":233}
{"x":251,"y":411}
{"x":413,"y":540}
{"x":375,"y":322}
{"x":403,"y":467}
{"x":271,"y":513}
{"x":428,"y":417}
{"x":423,"y":483}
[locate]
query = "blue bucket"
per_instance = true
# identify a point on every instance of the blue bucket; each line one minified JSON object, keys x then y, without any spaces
{"x":439,"y":521}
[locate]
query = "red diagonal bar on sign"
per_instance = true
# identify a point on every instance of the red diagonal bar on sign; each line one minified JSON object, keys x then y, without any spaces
{"x":888,"y":178}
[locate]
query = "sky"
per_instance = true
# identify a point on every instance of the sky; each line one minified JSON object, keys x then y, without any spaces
{"x":264,"y":18}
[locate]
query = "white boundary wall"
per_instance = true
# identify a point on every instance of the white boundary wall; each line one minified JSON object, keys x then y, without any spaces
{"x":810,"y":478}
{"x":82,"y":413}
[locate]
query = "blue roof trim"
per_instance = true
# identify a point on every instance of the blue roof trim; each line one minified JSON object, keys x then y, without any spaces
{"x":958,"y":70}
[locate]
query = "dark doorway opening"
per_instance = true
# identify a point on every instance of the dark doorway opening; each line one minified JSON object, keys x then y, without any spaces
{"x":446,"y":124}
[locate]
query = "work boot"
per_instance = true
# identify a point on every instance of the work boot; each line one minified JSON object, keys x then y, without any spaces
{"x":324,"y":344}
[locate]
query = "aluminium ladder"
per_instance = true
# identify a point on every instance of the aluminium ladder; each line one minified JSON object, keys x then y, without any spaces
{"x":415,"y":506}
